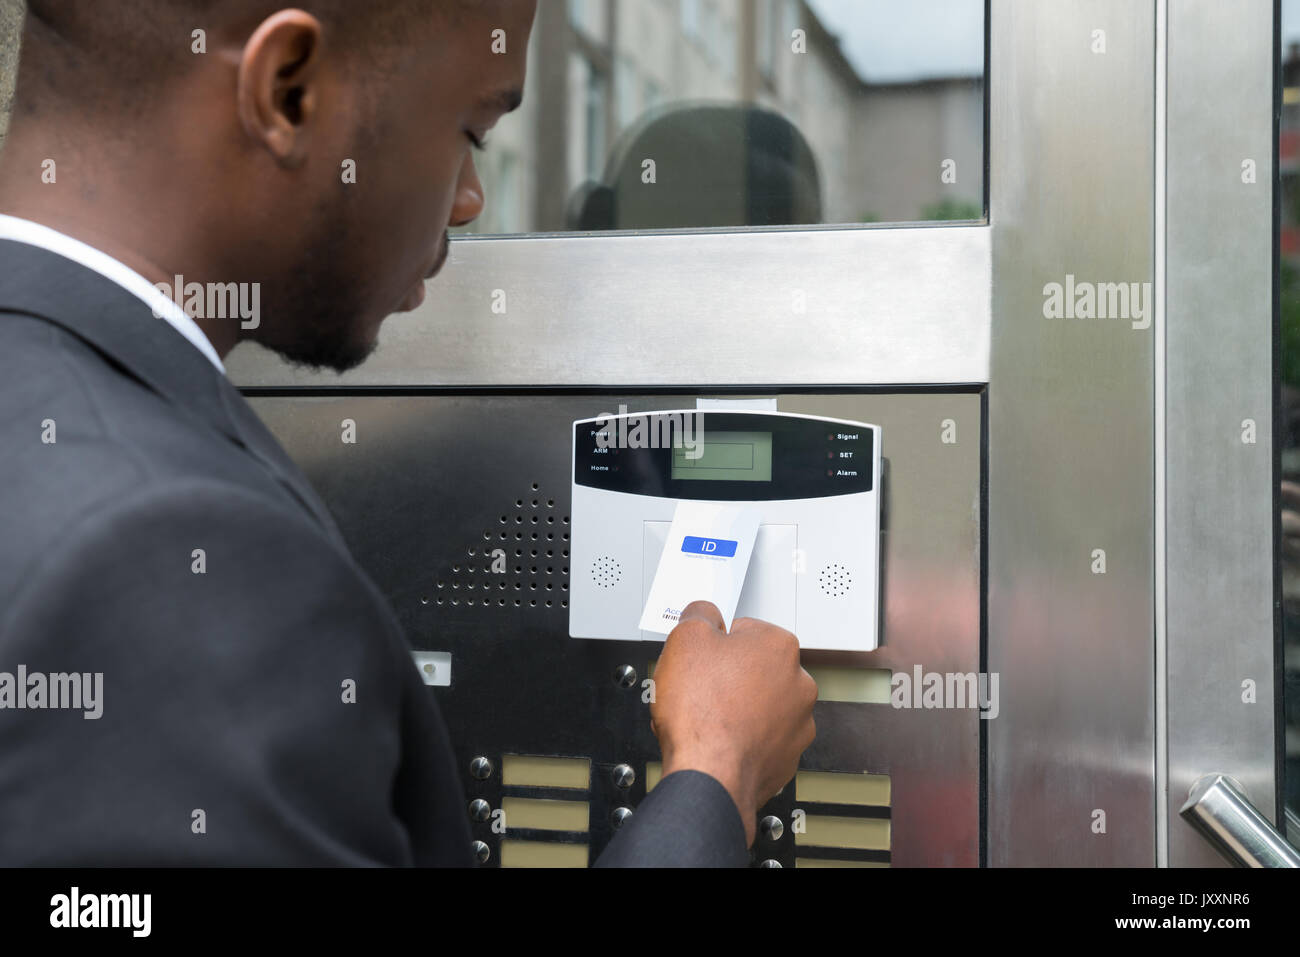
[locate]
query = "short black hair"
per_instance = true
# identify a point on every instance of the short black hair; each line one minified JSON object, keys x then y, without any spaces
{"x":122,"y":51}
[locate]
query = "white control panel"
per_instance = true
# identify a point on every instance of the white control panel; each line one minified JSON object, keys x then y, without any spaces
{"x":815,"y":481}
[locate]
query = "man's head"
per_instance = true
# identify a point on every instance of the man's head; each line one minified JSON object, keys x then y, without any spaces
{"x":321,"y":151}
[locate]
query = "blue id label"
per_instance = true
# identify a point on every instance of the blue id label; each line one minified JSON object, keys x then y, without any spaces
{"x":718,"y":547}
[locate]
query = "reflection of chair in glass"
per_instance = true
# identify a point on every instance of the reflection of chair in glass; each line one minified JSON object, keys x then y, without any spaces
{"x":713,"y":165}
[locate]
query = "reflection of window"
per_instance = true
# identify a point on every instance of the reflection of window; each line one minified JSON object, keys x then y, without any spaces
{"x":653,"y":94}
{"x":625,"y":91}
{"x":691,"y":19}
{"x":710,"y":30}
{"x":729,"y":41}
{"x":595,"y":120}
{"x":588,"y":16}
{"x":790,"y":24}
{"x":766,"y":13}
{"x":511,"y":216}
{"x":588,"y":95}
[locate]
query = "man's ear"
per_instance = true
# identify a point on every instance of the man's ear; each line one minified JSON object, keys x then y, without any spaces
{"x":279,"y":84}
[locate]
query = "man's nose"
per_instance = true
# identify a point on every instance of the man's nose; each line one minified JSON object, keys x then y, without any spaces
{"x":469,"y":195}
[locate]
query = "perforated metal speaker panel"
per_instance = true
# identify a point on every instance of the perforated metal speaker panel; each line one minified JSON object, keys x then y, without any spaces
{"x":522,"y":561}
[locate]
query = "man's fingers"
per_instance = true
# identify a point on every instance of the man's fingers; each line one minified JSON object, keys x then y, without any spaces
{"x":703,"y":611}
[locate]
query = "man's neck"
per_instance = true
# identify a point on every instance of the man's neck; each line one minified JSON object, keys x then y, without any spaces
{"x":84,"y":200}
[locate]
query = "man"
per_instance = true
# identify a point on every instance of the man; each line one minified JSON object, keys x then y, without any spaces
{"x":207,"y":676}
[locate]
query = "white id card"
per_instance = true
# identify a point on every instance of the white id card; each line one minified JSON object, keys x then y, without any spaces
{"x":705,"y":558}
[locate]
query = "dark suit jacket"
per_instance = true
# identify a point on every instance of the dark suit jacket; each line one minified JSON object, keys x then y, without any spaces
{"x":227,"y":736}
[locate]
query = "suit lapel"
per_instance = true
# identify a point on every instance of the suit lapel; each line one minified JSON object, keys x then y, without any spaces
{"x":121,"y":327}
{"x":257,"y":438}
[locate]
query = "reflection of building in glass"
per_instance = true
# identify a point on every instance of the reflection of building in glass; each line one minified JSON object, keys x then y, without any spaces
{"x":1289,"y":153}
{"x":597,"y":66}
{"x":11,"y":21}
{"x":1288,"y":426}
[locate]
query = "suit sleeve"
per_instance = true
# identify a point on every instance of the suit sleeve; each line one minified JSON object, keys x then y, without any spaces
{"x":688,"y":820}
{"x":255,"y":697}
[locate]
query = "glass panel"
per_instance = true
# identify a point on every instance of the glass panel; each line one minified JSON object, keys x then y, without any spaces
{"x":1288,"y":424}
{"x":671,"y":114}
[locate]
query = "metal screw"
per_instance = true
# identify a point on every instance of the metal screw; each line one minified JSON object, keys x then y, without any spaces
{"x":480,"y":851}
{"x":771,"y":827}
{"x":479,"y":810}
{"x":770,"y":863}
{"x":625,"y":676}
{"x":620,"y":815}
{"x":624,"y":776}
{"x":480,"y":768}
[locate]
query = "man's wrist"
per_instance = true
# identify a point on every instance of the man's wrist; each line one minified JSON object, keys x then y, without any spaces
{"x":727,"y":772}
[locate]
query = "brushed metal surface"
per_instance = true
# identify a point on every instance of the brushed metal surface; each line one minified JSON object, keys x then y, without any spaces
{"x":1070,"y":438}
{"x":421,"y":499}
{"x":1219,"y":564}
{"x":762,"y":307}
{"x":930,"y":579}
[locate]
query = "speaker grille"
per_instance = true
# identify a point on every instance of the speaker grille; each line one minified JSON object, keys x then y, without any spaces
{"x":606,"y":572}
{"x":835,"y":581}
{"x":521,"y":562}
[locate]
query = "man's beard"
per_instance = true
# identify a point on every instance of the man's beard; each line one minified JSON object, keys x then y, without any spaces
{"x":319,"y":325}
{"x":327,"y":340}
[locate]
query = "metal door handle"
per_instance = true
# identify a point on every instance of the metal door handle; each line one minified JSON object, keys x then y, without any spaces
{"x":1218,"y":808}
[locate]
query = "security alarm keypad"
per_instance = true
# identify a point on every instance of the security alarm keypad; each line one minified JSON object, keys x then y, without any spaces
{"x":815,"y":482}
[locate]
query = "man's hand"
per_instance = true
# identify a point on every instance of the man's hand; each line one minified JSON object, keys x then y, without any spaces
{"x":736,"y":706}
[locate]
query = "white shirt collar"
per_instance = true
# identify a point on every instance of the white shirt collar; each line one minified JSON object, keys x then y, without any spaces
{"x":34,"y":234}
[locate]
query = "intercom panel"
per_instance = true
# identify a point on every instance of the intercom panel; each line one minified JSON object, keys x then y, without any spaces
{"x":460,"y":506}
